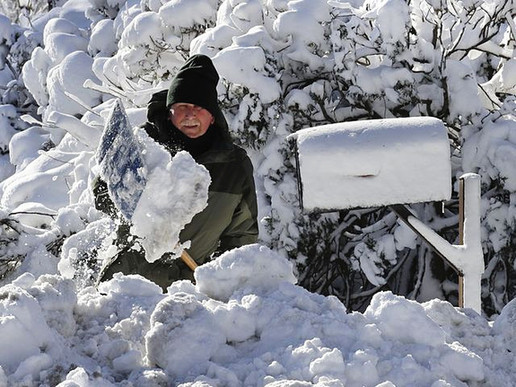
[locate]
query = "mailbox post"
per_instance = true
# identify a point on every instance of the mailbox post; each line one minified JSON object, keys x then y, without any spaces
{"x":467,"y":257}
{"x":393,"y":162}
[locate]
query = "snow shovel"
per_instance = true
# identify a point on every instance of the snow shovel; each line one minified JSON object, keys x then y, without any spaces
{"x":188,"y":260}
{"x":122,"y":166}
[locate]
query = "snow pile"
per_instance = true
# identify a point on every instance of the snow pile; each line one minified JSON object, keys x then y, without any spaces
{"x":22,"y":322}
{"x":261,"y":331}
{"x":239,"y":270}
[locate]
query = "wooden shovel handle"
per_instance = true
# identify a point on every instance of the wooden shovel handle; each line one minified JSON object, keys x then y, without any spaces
{"x":188,"y":260}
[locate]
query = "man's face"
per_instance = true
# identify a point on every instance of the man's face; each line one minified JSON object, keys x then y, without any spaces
{"x":192,"y":120}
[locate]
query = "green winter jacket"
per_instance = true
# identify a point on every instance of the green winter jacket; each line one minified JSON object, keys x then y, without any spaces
{"x":228,"y":221}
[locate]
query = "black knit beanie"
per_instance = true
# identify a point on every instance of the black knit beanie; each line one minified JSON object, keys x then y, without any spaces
{"x":196,"y":83}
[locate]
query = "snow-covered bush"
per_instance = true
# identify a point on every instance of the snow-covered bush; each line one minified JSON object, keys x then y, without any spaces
{"x":377,"y":60}
{"x":9,"y":236}
{"x":16,"y":43}
{"x":285,"y":65}
{"x":24,"y":11}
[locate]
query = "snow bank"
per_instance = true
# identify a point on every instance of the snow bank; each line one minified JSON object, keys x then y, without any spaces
{"x":31,"y":322}
{"x":266,"y":331}
{"x":250,"y":266}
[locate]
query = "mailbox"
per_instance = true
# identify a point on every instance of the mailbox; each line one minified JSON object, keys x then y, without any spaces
{"x":373,"y":163}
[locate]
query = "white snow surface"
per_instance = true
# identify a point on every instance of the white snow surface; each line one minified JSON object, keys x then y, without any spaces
{"x":245,"y":322}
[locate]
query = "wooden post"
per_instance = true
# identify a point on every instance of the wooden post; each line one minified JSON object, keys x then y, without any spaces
{"x":429,"y":236}
{"x":461,"y":241}
{"x":466,"y":258}
{"x":471,"y":257}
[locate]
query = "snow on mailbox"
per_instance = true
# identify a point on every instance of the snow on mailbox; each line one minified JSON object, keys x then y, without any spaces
{"x":373,"y":163}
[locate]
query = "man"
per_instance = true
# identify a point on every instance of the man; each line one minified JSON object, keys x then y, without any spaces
{"x":187,"y":117}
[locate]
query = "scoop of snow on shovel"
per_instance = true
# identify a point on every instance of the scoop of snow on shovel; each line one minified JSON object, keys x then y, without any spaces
{"x":176,"y":190}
